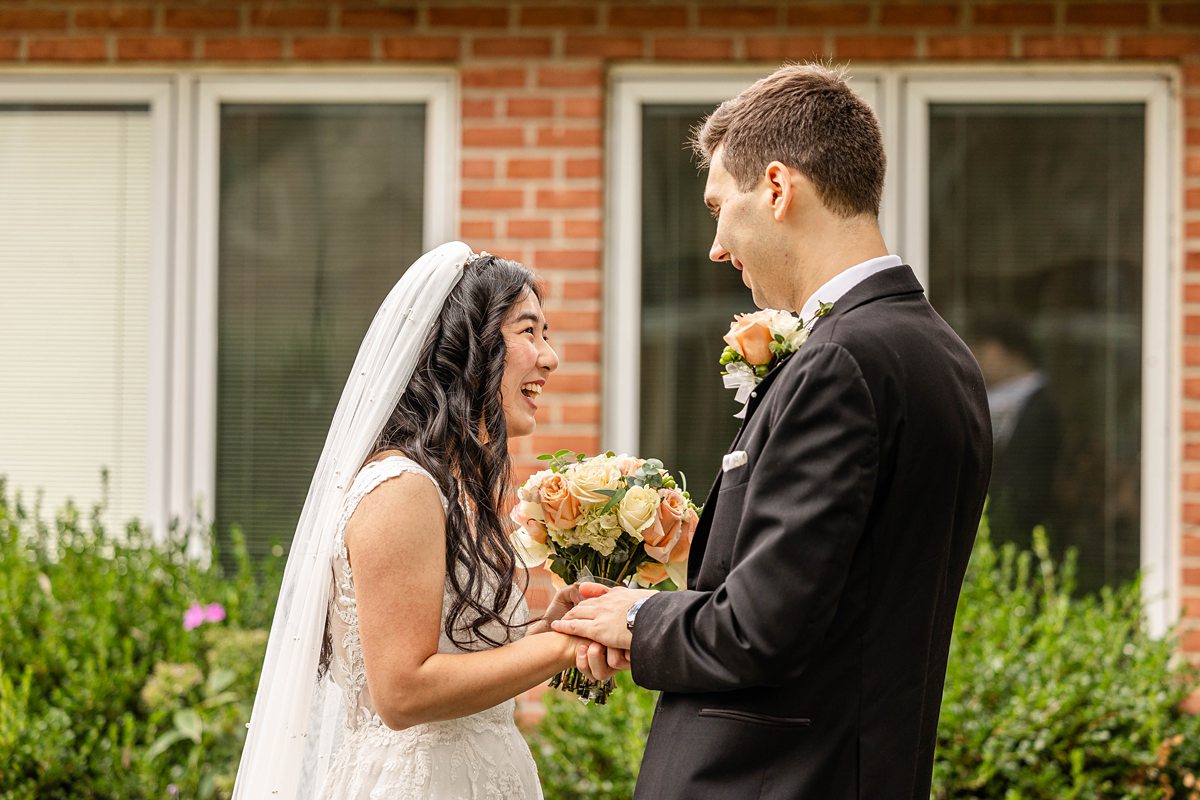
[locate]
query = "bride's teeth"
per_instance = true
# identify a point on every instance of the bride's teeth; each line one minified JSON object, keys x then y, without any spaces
{"x":531,"y":389}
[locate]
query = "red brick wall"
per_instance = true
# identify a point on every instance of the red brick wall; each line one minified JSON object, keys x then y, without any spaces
{"x":533,"y":78}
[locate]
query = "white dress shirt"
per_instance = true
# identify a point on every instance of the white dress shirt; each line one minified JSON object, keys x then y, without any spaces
{"x":844,"y":281}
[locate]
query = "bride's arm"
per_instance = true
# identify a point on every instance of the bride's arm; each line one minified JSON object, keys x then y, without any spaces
{"x":397,"y":544}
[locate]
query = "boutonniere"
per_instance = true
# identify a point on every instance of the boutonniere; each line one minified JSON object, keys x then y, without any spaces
{"x":756,"y":343}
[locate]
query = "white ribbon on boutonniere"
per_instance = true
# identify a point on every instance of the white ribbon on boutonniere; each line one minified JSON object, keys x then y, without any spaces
{"x":757,"y":342}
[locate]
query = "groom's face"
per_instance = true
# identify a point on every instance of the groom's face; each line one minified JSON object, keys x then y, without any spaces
{"x":745,"y":234}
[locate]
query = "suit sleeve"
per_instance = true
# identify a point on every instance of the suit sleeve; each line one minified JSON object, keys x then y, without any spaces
{"x":806,"y":506}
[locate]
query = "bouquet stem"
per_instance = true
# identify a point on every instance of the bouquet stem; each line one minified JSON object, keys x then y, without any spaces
{"x":572,"y":680}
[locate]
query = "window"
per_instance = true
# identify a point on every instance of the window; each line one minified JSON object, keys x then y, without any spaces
{"x":321,"y":198}
{"x":1035,"y":203}
{"x":81,"y":261}
{"x":187,"y":266}
{"x":1057,"y":190}
{"x":685,"y":301}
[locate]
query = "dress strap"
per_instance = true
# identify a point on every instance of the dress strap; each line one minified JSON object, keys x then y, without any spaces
{"x":371,"y":476}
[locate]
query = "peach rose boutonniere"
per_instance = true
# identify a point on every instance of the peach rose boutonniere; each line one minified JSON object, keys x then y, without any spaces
{"x":756,"y":342}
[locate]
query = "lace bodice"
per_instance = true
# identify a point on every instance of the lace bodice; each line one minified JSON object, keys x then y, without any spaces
{"x":480,"y":756}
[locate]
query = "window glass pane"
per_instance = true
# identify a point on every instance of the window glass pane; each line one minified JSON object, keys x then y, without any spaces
{"x":1036,"y":257}
{"x":687,"y":303}
{"x":74,"y":304}
{"x":321,"y":210}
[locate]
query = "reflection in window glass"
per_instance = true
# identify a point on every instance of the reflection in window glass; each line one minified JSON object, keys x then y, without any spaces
{"x":321,"y":209}
{"x":687,"y":303}
{"x":1036,"y":258}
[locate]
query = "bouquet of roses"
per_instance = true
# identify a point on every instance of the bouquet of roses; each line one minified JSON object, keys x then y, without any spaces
{"x":609,"y":518}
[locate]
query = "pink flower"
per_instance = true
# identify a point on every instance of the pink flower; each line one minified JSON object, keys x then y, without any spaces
{"x":197,"y":615}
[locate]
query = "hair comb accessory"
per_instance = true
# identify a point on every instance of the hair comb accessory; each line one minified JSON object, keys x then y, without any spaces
{"x":481,"y":254}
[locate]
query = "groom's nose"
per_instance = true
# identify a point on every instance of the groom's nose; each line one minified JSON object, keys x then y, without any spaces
{"x":717,"y":252}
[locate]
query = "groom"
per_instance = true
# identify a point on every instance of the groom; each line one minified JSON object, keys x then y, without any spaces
{"x":807,"y":657}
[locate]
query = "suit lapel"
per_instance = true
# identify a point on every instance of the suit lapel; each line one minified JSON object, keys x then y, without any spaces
{"x":887,"y":283}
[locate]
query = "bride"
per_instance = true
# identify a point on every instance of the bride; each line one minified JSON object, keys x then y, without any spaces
{"x":399,"y":638}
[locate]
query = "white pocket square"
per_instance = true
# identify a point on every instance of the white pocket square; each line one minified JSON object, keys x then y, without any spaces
{"x":737,"y":458}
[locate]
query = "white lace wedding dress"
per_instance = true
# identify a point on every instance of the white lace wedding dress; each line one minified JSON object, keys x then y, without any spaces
{"x":480,"y":757}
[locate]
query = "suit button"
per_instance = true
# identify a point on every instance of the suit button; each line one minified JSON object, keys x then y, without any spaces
{"x":754,"y":394}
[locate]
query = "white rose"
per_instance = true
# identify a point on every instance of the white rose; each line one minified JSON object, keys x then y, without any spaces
{"x":529,"y":551}
{"x":533,"y":510}
{"x":585,"y":480}
{"x":796,"y":338}
{"x":638,"y":510}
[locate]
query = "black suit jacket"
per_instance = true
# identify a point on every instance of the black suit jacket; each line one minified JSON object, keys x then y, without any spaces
{"x":807,"y":660}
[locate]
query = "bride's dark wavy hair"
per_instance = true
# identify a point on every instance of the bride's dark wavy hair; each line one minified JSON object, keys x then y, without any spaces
{"x":450,"y":420}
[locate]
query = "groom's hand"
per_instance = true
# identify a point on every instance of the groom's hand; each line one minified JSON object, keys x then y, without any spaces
{"x":601,"y":615}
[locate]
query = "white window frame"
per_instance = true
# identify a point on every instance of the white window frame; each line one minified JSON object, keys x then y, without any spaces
{"x":1160,"y":309}
{"x":156,"y":92}
{"x":194,"y":487}
{"x":901,"y":97}
{"x":631,"y":89}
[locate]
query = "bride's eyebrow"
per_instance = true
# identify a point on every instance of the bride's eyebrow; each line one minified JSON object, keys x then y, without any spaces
{"x":529,"y":316}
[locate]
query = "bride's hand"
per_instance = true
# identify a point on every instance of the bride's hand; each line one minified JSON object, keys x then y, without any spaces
{"x":564,"y":600}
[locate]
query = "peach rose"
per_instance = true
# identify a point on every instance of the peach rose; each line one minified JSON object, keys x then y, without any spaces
{"x":651,"y":573}
{"x":677,"y":563}
{"x":752,"y":338}
{"x":526,"y":515}
{"x":628,"y":465}
{"x":558,"y":504}
{"x":662,"y":538}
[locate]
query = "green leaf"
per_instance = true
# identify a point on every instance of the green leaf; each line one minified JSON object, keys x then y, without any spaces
{"x":188,"y":723}
{"x":163,"y":743}
{"x":545,"y":457}
{"x":219,"y":680}
{"x":222,"y":699}
{"x":561,"y":568}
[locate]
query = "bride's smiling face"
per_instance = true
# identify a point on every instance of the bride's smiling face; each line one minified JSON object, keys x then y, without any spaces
{"x":528,"y":362}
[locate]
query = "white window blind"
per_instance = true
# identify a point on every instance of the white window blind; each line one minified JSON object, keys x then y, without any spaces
{"x":74,"y":304}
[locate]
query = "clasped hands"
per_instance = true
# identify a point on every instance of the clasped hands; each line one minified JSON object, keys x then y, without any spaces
{"x":594,"y":611}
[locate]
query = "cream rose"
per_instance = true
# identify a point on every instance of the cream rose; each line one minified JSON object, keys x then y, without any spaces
{"x":585,"y":480}
{"x":529,"y":551}
{"x":559,"y":506}
{"x":638,"y":510}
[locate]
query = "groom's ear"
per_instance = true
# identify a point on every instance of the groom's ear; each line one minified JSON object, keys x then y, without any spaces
{"x":780,"y":183}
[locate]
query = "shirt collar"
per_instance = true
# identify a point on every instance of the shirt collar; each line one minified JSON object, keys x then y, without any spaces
{"x":844,"y":281}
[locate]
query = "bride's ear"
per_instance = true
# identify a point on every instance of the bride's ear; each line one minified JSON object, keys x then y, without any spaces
{"x":780,"y":187}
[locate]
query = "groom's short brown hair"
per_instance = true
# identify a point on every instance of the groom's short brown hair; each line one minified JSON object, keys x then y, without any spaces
{"x":807,"y":117}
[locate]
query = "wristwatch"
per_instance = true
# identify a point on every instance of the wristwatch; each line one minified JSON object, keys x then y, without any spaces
{"x":633,"y":609}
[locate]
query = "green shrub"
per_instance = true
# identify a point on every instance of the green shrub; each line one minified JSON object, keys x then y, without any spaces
{"x":1053,"y":695}
{"x":104,"y":694}
{"x":1049,"y":695}
{"x":86,"y":616}
{"x":590,"y":752}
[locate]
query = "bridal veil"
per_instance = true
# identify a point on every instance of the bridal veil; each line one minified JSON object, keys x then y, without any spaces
{"x":296,"y":720}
